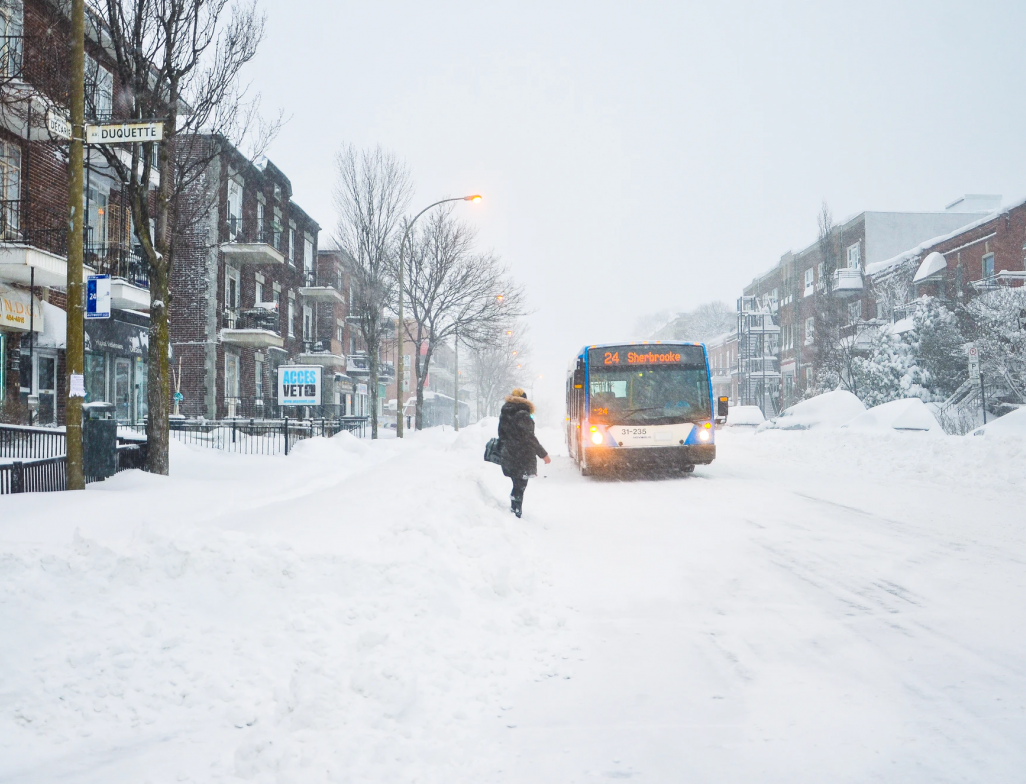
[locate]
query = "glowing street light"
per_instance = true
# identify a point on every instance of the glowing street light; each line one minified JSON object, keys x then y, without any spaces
{"x":476,"y":197}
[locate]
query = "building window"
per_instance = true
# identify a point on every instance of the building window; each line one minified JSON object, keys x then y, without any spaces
{"x":231,"y":375}
{"x":308,"y":254}
{"x":855,"y":312}
{"x":99,"y":90}
{"x":10,"y":182}
{"x":277,"y":192}
{"x":234,"y":208}
{"x":988,"y":266}
{"x":292,"y":318}
{"x":276,"y":230}
{"x":258,"y":378}
{"x":854,"y":256}
{"x":810,"y":331}
{"x":260,"y":222}
{"x":292,"y":244}
{"x":810,"y":282}
{"x":341,"y":332}
{"x":307,"y":322}
{"x":231,"y":288}
{"x":258,"y":292}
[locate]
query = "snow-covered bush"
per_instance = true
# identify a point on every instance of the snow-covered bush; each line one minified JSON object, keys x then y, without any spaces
{"x":997,"y":324}
{"x":889,"y":371}
{"x":938,"y":343}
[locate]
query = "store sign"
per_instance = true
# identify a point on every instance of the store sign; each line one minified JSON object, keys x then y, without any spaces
{"x":125,"y":133}
{"x":15,"y":310}
{"x":97,"y":297}
{"x":116,"y":337}
{"x":299,"y":385}
{"x":361,"y":389}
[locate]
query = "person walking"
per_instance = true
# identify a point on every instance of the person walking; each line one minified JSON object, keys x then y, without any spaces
{"x":520,"y":447}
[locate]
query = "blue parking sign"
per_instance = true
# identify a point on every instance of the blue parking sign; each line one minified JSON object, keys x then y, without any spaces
{"x":97,"y":297}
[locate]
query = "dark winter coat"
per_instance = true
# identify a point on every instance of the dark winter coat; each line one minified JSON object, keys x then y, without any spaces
{"x":520,"y":447}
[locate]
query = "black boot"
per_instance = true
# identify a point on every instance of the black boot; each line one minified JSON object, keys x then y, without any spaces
{"x":516,"y":505}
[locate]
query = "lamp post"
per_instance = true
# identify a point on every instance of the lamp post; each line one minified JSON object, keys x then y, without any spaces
{"x":402,"y":325}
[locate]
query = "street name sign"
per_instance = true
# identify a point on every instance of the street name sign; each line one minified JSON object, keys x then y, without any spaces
{"x":299,"y":385}
{"x":58,"y":125}
{"x":97,"y":297}
{"x":125,"y":133}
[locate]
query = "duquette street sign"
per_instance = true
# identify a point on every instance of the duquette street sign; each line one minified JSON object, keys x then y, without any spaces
{"x":125,"y":133}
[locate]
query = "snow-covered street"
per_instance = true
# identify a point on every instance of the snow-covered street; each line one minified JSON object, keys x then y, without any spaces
{"x":813,"y":606}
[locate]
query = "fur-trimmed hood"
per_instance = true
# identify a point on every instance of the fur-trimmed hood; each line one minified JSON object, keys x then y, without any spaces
{"x":520,"y":401}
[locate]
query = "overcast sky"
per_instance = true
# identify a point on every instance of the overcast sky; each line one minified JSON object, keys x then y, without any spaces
{"x":639,"y":156}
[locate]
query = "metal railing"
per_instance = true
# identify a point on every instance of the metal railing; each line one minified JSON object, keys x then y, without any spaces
{"x":118,"y":261}
{"x":39,"y":228}
{"x":31,"y":442}
{"x":254,"y":318}
{"x":261,"y":436}
{"x":34,"y":476}
{"x":266,"y":236}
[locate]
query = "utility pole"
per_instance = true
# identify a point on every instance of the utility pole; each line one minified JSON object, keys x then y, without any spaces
{"x":456,"y":387}
{"x":75,"y":351}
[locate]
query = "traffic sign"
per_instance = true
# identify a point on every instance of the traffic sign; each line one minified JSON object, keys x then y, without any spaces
{"x":125,"y":133}
{"x":97,"y":297}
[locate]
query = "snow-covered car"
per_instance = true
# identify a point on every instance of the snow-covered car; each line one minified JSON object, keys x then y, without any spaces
{"x":831,"y":409}
{"x":1011,"y":425}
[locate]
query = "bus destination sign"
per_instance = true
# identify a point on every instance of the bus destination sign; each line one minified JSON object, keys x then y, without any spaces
{"x":620,"y":356}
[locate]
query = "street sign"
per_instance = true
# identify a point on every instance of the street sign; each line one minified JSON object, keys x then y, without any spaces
{"x":974,"y":362}
{"x":125,"y":133}
{"x":299,"y":385}
{"x":97,"y":297}
{"x":58,"y":125}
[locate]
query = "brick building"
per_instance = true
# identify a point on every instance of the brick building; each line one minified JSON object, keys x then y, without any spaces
{"x":788,"y":291}
{"x":33,"y":228}
{"x":238,"y":307}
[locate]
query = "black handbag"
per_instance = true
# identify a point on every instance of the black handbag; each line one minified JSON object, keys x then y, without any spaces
{"x":493,"y":451}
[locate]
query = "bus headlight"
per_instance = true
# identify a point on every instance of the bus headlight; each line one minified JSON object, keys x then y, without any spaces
{"x":597,"y":437}
{"x":703,"y":435}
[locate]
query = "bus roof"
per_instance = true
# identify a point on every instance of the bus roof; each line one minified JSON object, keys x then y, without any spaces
{"x":585,"y":350}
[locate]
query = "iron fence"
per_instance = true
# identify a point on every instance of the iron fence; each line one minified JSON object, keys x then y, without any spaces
{"x":31,"y":442}
{"x":259,"y":436}
{"x":34,"y":476}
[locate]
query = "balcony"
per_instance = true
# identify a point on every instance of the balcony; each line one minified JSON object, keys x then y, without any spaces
{"x":321,"y":294}
{"x":318,"y":352}
{"x":1010,"y":278}
{"x":847,"y":281}
{"x":358,"y":366}
{"x":256,"y":328}
{"x":129,"y":272}
{"x":32,"y":247}
{"x":257,"y":247}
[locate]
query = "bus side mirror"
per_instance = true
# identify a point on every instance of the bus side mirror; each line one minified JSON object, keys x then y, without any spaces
{"x":579,"y":375}
{"x":721,"y":409}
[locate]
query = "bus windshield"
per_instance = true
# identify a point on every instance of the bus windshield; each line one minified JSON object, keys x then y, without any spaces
{"x":625,"y":395}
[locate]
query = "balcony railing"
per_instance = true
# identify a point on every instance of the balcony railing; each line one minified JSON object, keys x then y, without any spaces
{"x":265,"y":236}
{"x":847,"y":281}
{"x":39,"y":228}
{"x":119,"y":261}
{"x":1011,"y":278}
{"x":256,"y":318}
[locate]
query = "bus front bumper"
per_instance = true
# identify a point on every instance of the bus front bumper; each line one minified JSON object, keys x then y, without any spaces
{"x":651,"y":456}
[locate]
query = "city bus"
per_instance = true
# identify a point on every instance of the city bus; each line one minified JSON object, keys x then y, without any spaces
{"x":641,"y":405}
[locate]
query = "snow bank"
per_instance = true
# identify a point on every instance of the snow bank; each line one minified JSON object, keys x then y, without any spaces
{"x":907,"y":414}
{"x":270,"y":619}
{"x":745,"y":416}
{"x":831,"y":409}
{"x":1011,"y":425}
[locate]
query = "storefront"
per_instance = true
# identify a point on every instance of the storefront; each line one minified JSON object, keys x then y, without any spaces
{"x":22,"y":323}
{"x":115,"y":364}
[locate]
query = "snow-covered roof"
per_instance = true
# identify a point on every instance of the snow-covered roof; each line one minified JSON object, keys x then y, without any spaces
{"x":932,"y":264}
{"x":901,"y":326}
{"x":882,"y":266}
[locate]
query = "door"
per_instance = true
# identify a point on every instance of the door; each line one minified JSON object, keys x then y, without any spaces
{"x":46,"y":388}
{"x":231,"y":382}
{"x":123,"y":389}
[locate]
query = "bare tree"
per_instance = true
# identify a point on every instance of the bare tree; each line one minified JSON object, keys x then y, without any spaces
{"x":453,"y":293}
{"x":371,"y":194}
{"x":180,"y":61}
{"x":499,"y":364}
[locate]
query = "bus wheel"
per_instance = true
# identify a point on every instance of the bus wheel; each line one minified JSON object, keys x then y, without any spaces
{"x":687,"y":469}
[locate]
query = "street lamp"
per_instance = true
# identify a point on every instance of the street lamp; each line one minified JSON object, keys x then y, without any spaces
{"x":402,"y":325}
